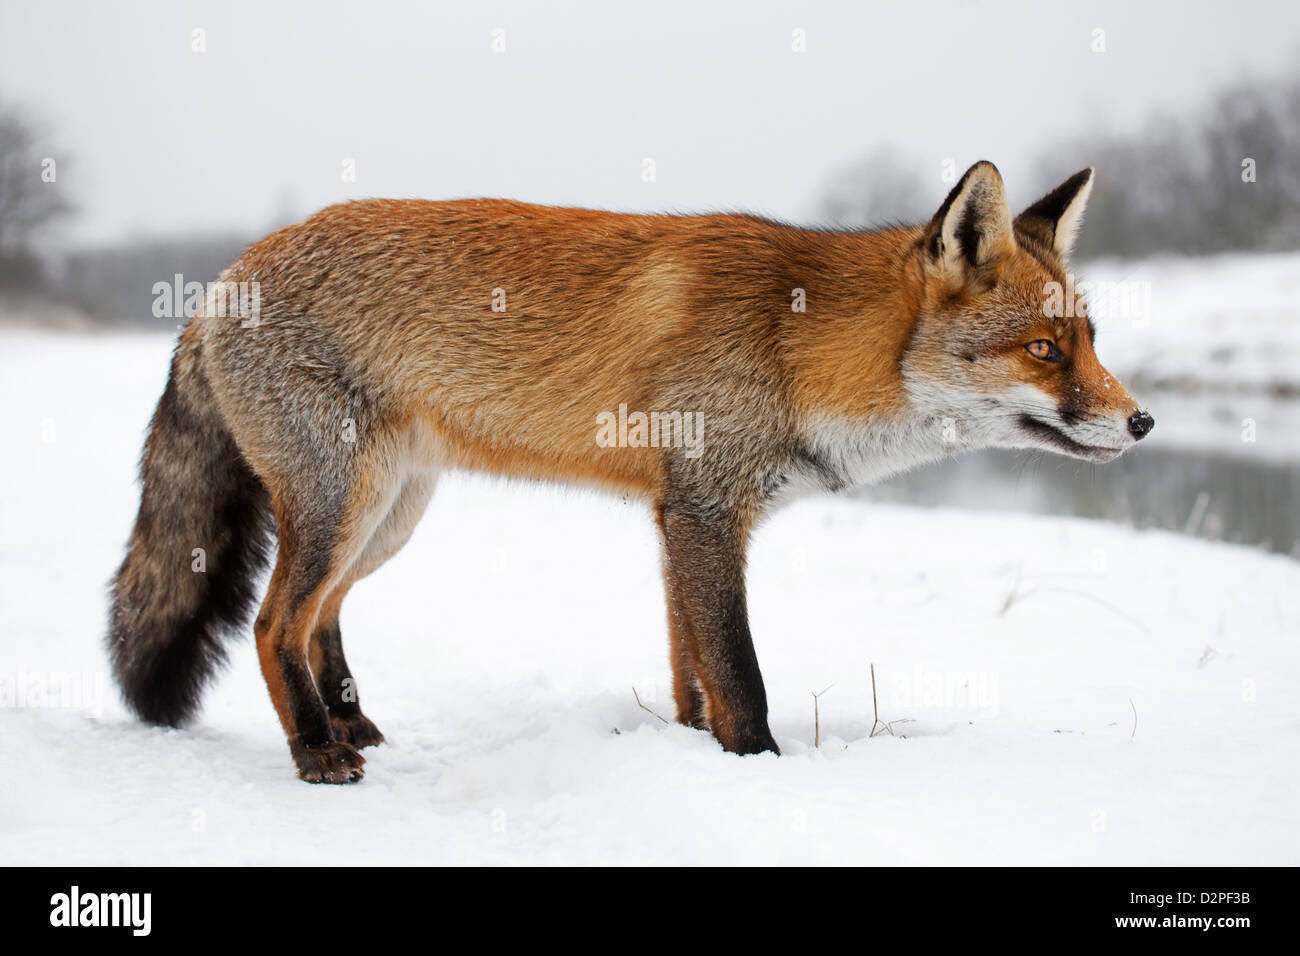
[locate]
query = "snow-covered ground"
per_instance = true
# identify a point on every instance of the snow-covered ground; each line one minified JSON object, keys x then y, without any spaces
{"x":1060,"y":691}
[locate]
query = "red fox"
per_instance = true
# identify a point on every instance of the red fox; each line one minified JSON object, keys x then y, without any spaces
{"x":714,"y":366}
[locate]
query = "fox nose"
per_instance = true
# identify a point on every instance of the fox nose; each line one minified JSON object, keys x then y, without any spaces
{"x":1140,"y":424}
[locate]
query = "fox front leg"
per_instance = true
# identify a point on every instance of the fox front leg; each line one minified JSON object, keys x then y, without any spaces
{"x":704,"y":572}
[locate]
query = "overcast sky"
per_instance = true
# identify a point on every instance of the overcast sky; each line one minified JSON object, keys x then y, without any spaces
{"x":161,"y":139}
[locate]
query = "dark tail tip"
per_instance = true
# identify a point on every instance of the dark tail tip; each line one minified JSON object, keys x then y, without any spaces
{"x":162,"y":681}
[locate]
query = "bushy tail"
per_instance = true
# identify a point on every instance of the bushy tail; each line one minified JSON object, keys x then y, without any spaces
{"x":199,"y":542}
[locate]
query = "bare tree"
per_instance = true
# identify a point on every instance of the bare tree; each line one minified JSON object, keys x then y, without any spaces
{"x":1221,"y":177}
{"x":31,"y":197}
{"x":1224,"y":178}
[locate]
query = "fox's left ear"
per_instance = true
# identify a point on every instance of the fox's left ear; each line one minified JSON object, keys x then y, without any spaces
{"x":1055,"y":219}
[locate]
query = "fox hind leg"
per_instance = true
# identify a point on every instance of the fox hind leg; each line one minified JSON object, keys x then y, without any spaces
{"x":338,"y":687}
{"x":334,"y":680}
{"x":324,"y":519}
{"x":283,"y":626}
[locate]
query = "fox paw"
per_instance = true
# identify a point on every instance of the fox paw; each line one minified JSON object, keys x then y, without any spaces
{"x":334,"y":762}
{"x":750,"y":742}
{"x":357,"y":730}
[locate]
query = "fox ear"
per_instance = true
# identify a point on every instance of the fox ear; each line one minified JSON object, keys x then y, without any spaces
{"x":1057,"y":216}
{"x":973,"y":226}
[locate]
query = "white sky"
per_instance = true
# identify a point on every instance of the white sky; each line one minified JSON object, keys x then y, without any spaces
{"x":159,"y":139}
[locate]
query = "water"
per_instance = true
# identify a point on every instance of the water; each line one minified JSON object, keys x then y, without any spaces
{"x":1212,"y":495}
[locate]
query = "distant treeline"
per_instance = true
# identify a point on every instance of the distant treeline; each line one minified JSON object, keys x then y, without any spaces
{"x":1226,"y":177}
{"x":117,"y":283}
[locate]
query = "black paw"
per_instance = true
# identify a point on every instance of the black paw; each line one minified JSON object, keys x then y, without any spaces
{"x":334,"y":762}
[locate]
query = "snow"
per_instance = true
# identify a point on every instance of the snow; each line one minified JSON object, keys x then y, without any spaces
{"x":1062,"y":691}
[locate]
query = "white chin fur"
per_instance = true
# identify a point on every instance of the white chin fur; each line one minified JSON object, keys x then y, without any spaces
{"x":996,"y":421}
{"x":1099,"y":455}
{"x":1093,"y":442}
{"x":1107,"y":454}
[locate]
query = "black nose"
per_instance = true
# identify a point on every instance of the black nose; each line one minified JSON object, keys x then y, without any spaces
{"x":1140,"y":424}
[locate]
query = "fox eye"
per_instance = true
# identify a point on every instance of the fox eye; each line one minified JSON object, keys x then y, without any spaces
{"x":1044,"y":349}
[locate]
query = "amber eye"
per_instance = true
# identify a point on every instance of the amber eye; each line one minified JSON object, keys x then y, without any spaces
{"x":1044,"y":349}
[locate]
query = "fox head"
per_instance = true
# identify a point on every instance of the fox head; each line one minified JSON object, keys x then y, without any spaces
{"x":1002,"y":346}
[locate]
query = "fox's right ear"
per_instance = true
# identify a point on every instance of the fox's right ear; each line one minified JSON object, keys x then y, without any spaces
{"x":973,"y":226}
